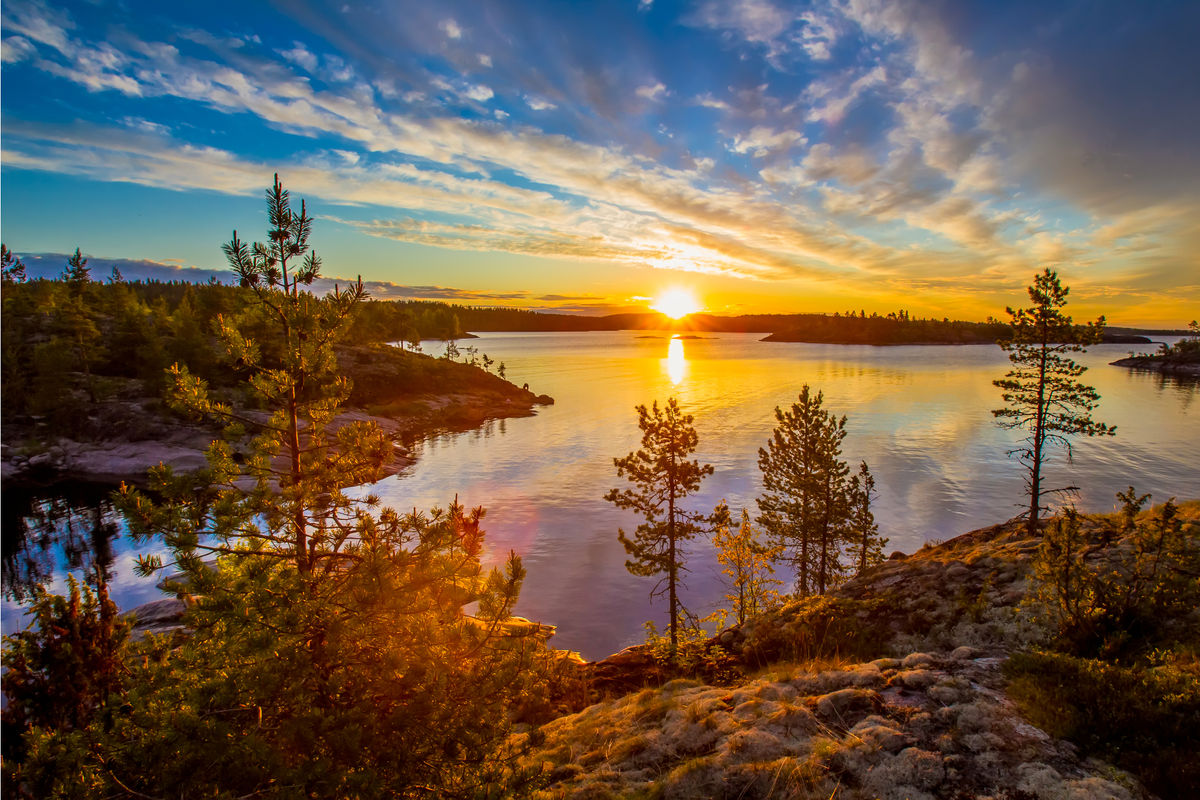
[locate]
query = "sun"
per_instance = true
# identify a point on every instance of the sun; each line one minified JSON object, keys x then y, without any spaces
{"x":676,"y":303}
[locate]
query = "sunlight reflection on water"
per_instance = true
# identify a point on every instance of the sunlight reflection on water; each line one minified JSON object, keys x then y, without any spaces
{"x":676,"y":362}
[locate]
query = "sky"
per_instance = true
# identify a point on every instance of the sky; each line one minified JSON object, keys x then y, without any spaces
{"x":589,"y":156}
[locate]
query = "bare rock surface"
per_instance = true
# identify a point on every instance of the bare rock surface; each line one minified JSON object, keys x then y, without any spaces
{"x":954,"y":736}
{"x":156,"y":617}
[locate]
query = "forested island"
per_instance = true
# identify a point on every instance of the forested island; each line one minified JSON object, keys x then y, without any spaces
{"x":1180,"y":359}
{"x":850,"y":327}
{"x":320,"y":644}
{"x":85,"y":366}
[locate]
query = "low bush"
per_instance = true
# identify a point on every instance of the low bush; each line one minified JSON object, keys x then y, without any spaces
{"x":817,"y":627}
{"x":1145,"y":719}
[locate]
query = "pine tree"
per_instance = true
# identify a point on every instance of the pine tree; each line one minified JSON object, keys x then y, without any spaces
{"x":748,"y":563}
{"x":77,"y":273}
{"x":1042,"y":390}
{"x":863,"y":533}
{"x":12,"y":268}
{"x":663,"y":476}
{"x":331,"y":654}
{"x":804,"y":505}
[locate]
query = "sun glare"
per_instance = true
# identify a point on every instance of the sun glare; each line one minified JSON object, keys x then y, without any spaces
{"x":676,"y":303}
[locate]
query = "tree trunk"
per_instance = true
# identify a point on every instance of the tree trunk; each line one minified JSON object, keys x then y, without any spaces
{"x":803,"y":576}
{"x":674,"y":600}
{"x":1039,"y":433}
{"x":298,"y":519}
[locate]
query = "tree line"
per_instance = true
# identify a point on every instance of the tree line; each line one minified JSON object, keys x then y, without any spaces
{"x":73,"y":341}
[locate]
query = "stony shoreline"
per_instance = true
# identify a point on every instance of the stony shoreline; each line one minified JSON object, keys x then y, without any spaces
{"x":132,"y":435}
{"x":1166,"y":366}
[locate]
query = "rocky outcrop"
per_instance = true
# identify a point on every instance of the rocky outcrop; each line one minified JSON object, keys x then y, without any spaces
{"x":1179,"y":367}
{"x":121,"y":438}
{"x":930,"y":725}
{"x":890,"y":686}
{"x":961,"y":592}
{"x":158,"y":617}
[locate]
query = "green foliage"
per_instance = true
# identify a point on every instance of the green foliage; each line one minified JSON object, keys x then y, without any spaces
{"x":330,"y":654}
{"x":866,"y":545}
{"x":817,"y":627}
{"x":804,"y":504}
{"x":1042,"y":390}
{"x":747,"y":563}
{"x":1120,"y":597}
{"x":663,"y":476}
{"x":1119,"y":593}
{"x":1145,"y":719}
{"x":694,"y":655}
{"x":12,"y":268}
{"x":64,"y":669}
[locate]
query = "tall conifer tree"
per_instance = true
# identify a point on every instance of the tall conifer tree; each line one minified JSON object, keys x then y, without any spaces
{"x":77,"y":273}
{"x":804,"y":504}
{"x":331,"y":652}
{"x":663,"y":476}
{"x":1042,"y":390}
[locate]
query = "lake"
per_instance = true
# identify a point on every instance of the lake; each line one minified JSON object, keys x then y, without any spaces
{"x":919,"y":416}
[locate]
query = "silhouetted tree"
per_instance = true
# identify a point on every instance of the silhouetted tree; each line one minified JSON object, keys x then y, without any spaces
{"x":12,"y":268}
{"x":804,"y":504}
{"x":863,"y":534}
{"x":77,"y":273}
{"x":1042,"y":390}
{"x":662,"y":476}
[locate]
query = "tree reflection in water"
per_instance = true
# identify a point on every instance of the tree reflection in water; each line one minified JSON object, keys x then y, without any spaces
{"x":45,"y":533}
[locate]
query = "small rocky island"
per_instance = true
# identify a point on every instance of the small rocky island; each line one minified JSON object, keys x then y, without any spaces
{"x":1181,"y":359}
{"x":1184,"y":367}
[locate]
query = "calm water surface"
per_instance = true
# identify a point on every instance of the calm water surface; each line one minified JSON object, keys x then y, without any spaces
{"x":920,"y":416}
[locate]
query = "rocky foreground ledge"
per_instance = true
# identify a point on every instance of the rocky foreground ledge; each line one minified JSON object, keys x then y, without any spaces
{"x":889,"y":687}
{"x":929,"y":725}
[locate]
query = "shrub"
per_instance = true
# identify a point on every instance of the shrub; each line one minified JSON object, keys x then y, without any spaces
{"x":817,"y":627}
{"x":1117,"y":593}
{"x":62,"y":672}
{"x":1145,"y":719}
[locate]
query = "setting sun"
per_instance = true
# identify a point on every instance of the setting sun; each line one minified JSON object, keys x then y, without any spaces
{"x":676,"y":303}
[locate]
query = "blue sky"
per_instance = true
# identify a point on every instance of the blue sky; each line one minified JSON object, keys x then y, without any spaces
{"x":588,"y":156}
